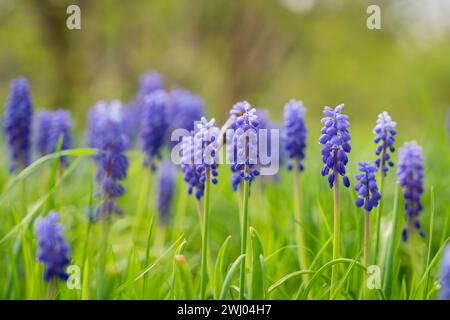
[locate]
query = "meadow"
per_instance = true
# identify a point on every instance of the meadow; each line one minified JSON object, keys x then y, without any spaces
{"x":266,"y":52}
{"x":141,"y":255}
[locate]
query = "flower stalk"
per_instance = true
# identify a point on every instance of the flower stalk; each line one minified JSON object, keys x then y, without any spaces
{"x":205,"y":236}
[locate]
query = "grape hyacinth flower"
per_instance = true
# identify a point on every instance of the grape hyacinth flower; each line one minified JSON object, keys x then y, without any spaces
{"x":51,"y":126}
{"x":335,"y":138}
{"x":61,"y":127}
{"x":106,"y":133}
{"x":150,"y":82}
{"x":294,"y":139}
{"x":166,"y":189}
{"x":410,"y":176}
{"x":295,"y":133}
{"x":385,"y":137}
{"x":444,"y":275}
{"x":131,"y":114}
{"x":368,"y":196}
{"x":17,"y":124}
{"x":44,"y":123}
{"x":53,"y":249}
{"x":191,"y":176}
{"x":244,"y":152}
{"x":244,"y":142}
{"x":205,"y":162}
{"x":154,"y":125}
{"x":263,"y":123}
{"x":186,"y":108}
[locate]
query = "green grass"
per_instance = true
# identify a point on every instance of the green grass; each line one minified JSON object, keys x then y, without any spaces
{"x":139,"y":258}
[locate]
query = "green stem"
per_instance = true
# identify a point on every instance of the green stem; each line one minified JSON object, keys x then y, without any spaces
{"x":366,"y":250}
{"x":378,"y":217}
{"x":388,"y":279}
{"x":430,"y":241}
{"x":336,"y":231}
{"x":147,"y":255}
{"x":106,"y":225}
{"x":204,"y":267}
{"x":244,"y":231}
{"x":51,"y":293}
{"x":299,"y":223}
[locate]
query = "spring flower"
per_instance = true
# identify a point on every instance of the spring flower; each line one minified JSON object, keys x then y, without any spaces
{"x":154,"y":125}
{"x":51,"y":126}
{"x":191,"y":176}
{"x":44,"y":123}
{"x":106,"y":134}
{"x":131,"y":114}
{"x":205,"y":140}
{"x":444,"y":275}
{"x":295,"y":132}
{"x":335,"y":138}
{"x":60,"y":128}
{"x":243,"y":148}
{"x":385,"y":137}
{"x":149,"y":83}
{"x":53,"y":249}
{"x":17,"y":123}
{"x":410,"y":176}
{"x":166,"y":188}
{"x":367,"y":188}
{"x":199,"y":156}
{"x":186,"y":108}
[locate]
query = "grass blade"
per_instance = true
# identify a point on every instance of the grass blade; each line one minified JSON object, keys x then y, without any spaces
{"x":257,"y":288}
{"x":230,"y":275}
{"x":220,"y":267}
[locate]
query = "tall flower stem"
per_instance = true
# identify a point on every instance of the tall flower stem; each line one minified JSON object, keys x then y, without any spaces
{"x":366,"y":250}
{"x":336,"y":231}
{"x":244,"y":231}
{"x":51,"y":293}
{"x":378,"y":217}
{"x":299,"y":223}
{"x":205,"y":234}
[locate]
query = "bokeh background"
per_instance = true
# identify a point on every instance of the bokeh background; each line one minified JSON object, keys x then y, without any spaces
{"x":263,"y":51}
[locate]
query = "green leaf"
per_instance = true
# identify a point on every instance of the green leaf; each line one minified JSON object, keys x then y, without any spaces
{"x":220,"y":267}
{"x":185,"y":276}
{"x":391,"y":247}
{"x":257,"y":288}
{"x":289,"y":276}
{"x":230,"y":275}
{"x":85,"y":286}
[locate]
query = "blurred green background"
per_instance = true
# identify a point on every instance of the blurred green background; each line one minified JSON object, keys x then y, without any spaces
{"x":264,"y":51}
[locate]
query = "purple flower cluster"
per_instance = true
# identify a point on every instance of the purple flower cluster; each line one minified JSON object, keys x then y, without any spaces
{"x":44,"y":123}
{"x":166,"y":189}
{"x":444,"y":275}
{"x":106,"y":134}
{"x":53,"y":250}
{"x":368,"y":194}
{"x":154,"y":125}
{"x":385,"y":137}
{"x":200,"y":158}
{"x":243,"y":147}
{"x":186,"y":108}
{"x":51,"y":126}
{"x":150,"y":82}
{"x":295,"y":133}
{"x":410,"y":176}
{"x":17,"y":123}
{"x":335,"y":138}
{"x":191,"y":176}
